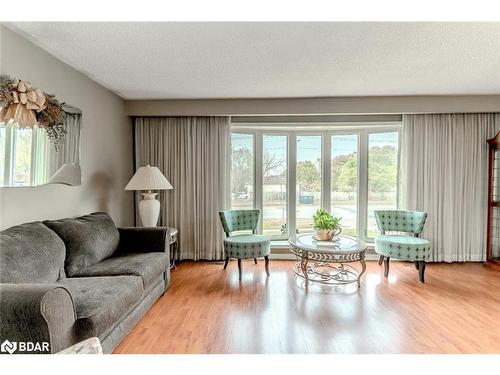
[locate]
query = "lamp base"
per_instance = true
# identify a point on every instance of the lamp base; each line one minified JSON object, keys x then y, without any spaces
{"x":149,"y":210}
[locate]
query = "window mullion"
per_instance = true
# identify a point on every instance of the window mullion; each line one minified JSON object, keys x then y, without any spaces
{"x":259,"y":180}
{"x":34,"y":157}
{"x":292,"y":185}
{"x":326,"y":166}
{"x":362,"y":204}
{"x":400,"y":204}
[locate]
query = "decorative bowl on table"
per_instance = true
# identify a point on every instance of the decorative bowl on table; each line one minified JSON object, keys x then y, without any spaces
{"x":326,"y":234}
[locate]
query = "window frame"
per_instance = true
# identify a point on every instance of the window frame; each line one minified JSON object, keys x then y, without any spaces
{"x":299,"y":133}
{"x":326,"y":131}
{"x":261,"y":219}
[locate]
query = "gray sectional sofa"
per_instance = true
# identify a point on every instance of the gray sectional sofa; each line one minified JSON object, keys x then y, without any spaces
{"x":63,"y":281}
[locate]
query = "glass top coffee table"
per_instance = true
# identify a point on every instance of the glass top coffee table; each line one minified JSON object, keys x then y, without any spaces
{"x":329,"y":262}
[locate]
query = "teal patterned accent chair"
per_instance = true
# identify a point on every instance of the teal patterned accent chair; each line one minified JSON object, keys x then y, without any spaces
{"x":408,"y":246}
{"x":244,"y":246}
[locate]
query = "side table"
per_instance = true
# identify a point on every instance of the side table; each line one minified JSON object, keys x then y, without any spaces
{"x":173,"y":245}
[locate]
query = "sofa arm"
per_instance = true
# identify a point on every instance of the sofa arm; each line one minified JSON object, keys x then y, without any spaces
{"x":37,"y":313}
{"x":143,"y":240}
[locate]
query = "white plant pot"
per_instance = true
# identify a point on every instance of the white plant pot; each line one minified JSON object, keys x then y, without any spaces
{"x":324,"y":234}
{"x":327,"y":234}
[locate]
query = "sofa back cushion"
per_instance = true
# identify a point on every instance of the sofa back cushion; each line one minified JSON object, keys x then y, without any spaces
{"x":400,"y":221}
{"x":31,"y":253}
{"x":88,"y":239}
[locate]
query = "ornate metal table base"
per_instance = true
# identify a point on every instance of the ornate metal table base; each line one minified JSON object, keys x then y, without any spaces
{"x":173,"y":245}
{"x":329,"y":273}
{"x":329,"y":266}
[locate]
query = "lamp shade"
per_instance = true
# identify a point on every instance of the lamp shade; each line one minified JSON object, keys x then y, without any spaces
{"x":148,"y":178}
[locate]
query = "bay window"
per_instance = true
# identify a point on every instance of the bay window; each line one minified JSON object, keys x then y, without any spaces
{"x":289,"y":174}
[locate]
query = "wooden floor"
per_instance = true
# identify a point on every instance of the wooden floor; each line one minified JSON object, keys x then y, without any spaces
{"x":206,"y":310}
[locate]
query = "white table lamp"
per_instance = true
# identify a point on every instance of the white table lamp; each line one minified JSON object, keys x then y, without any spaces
{"x":148,"y":178}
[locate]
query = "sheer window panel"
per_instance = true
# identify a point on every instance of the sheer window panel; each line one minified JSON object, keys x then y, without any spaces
{"x":275,"y":186}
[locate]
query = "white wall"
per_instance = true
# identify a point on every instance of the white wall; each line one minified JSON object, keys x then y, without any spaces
{"x":106,"y":145}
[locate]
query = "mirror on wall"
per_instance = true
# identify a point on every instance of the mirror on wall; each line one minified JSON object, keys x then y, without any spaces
{"x":32,"y":156}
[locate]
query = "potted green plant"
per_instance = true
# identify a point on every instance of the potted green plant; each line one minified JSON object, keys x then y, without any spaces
{"x":326,"y":226}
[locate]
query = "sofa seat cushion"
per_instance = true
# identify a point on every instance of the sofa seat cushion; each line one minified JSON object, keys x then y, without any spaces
{"x":88,"y":239}
{"x":149,"y":266}
{"x":245,"y":246}
{"x":403,"y":247}
{"x":101,"y":302}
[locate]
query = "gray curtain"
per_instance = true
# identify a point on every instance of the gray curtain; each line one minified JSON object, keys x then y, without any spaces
{"x":444,"y":159}
{"x":191,"y":152}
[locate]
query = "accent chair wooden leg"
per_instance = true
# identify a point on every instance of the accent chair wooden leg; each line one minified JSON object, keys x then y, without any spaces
{"x":380,"y":260}
{"x":239,"y":268}
{"x":266,"y":258}
{"x":386,"y":266}
{"x":255,"y":260}
{"x":416,"y":264}
{"x":421,"y":270}
{"x":225,"y":262}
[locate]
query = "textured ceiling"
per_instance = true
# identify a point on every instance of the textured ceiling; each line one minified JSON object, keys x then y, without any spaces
{"x":263,"y":60}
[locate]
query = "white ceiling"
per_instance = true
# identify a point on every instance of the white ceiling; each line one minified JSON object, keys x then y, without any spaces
{"x":263,"y":60}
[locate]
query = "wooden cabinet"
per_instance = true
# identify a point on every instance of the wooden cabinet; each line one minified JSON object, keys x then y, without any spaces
{"x":493,"y":239}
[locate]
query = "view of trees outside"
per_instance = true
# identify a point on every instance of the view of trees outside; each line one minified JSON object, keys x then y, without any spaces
{"x":382,"y":179}
{"x":382,"y":175}
{"x":274,"y":171}
{"x":22,"y":163}
{"x":308,"y":180}
{"x":344,"y":180}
